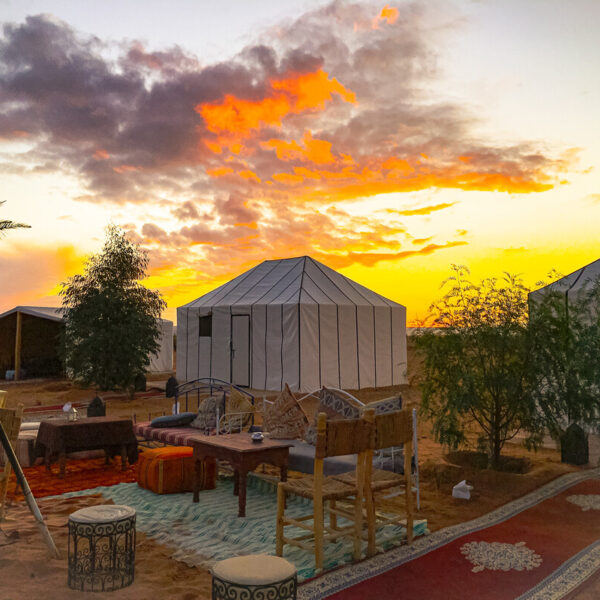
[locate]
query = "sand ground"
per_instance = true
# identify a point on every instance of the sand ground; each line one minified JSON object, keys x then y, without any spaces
{"x":26,"y":571}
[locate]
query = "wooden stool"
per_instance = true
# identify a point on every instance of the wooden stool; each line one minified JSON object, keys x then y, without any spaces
{"x":101,"y":548}
{"x":253,"y":577}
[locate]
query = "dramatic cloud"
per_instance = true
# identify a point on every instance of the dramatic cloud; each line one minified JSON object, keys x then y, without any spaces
{"x":252,"y":156}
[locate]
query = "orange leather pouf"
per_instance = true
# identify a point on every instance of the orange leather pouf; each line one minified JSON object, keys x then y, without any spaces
{"x":170,"y":470}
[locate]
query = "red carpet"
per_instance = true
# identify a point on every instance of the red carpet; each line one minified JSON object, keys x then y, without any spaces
{"x":552,"y":545}
{"x":80,"y":475}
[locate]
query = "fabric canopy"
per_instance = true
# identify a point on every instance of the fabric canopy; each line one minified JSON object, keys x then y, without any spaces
{"x":571,"y":284}
{"x":293,"y":321}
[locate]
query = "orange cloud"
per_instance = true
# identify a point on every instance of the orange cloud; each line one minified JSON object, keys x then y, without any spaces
{"x":314,"y":151}
{"x":388,"y":14}
{"x":101,"y":154}
{"x":424,"y":210}
{"x":219,"y":171}
{"x":247,"y":174}
{"x":236,"y":118}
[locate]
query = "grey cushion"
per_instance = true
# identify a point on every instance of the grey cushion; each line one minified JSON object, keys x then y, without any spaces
{"x":302,"y":459}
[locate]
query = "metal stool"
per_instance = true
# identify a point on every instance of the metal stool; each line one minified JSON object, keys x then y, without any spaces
{"x":254,"y":577}
{"x":101,"y":548}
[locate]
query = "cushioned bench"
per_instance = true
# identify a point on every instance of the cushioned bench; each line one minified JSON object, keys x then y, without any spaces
{"x":174,"y":436}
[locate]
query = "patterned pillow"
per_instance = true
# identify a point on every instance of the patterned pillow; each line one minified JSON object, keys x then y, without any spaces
{"x":386,"y":405}
{"x":335,"y":406}
{"x":207,"y":413}
{"x":237,"y":403}
{"x":285,"y":419}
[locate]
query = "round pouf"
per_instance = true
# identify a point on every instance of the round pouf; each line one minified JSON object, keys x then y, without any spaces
{"x":254,"y":577}
{"x":101,"y":548}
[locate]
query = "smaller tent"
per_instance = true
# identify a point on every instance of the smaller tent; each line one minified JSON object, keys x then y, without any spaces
{"x":570,"y":284}
{"x":30,"y":341}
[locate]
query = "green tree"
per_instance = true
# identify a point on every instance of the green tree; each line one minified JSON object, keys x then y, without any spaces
{"x":476,"y":361}
{"x":565,"y":348}
{"x":5,"y":225}
{"x":111,"y":321}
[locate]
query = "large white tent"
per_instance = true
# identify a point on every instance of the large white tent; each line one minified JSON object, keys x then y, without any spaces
{"x":293,"y":321}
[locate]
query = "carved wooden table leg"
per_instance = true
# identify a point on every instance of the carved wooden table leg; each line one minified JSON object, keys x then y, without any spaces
{"x":236,"y":482}
{"x":197,"y":478}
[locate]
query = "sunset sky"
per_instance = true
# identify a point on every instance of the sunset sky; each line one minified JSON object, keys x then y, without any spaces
{"x":388,"y":141}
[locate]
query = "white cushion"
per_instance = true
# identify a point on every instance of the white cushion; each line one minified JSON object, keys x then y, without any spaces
{"x":256,"y":569}
{"x":30,"y":426}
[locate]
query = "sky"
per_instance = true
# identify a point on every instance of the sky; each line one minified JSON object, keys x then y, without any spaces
{"x":386,"y":140}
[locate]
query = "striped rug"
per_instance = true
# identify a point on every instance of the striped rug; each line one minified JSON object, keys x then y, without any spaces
{"x":203,"y":533}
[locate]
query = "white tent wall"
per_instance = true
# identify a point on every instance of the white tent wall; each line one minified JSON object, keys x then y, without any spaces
{"x":163,"y":359}
{"x":328,"y":345}
{"x":291,"y":346}
{"x":366,"y":346}
{"x":258,"y":327}
{"x":221,"y":344}
{"x":309,"y":348}
{"x":348,"y":347}
{"x":399,"y":352}
{"x":383,"y":345}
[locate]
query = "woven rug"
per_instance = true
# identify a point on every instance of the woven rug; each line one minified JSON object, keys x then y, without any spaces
{"x":539,"y":547}
{"x":80,"y":475}
{"x":210,"y":530}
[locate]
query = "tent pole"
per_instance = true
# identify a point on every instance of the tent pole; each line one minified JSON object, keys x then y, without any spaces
{"x":18,"y":347}
{"x":31,"y":503}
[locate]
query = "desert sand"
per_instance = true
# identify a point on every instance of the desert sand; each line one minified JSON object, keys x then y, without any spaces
{"x":27,"y":572}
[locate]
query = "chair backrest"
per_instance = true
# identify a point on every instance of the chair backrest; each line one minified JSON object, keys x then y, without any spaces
{"x":340,"y":437}
{"x":392,"y":429}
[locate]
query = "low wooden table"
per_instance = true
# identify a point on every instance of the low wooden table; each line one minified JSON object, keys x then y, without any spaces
{"x":243,"y":454}
{"x":59,"y":437}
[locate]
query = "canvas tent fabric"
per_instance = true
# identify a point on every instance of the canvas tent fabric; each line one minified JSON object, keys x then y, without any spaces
{"x":293,"y":321}
{"x":41,"y":342}
{"x":571,"y":284}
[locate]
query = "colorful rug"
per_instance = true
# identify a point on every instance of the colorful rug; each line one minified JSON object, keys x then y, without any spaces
{"x":541,"y":546}
{"x":80,"y":475}
{"x":210,"y":530}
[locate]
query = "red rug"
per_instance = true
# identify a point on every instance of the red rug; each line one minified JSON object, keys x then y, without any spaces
{"x":544,"y":549}
{"x":80,"y":475}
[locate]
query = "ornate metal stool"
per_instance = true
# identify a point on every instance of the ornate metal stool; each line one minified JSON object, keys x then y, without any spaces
{"x":254,"y":577}
{"x":101,"y":548}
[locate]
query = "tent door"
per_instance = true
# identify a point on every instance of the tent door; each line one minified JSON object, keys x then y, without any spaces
{"x":240,"y":350}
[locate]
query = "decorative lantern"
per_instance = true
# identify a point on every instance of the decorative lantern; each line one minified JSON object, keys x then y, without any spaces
{"x":73,"y":414}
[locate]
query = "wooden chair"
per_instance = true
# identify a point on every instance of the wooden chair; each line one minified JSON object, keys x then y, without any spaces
{"x":334,"y":438}
{"x":11,"y":423}
{"x":390,"y":429}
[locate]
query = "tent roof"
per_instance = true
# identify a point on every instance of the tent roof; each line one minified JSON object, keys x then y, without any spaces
{"x":52,"y":313}
{"x":300,"y":280}
{"x":572,"y":283}
{"x":44,"y":312}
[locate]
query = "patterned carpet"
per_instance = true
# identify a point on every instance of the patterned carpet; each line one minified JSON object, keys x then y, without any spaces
{"x":539,"y":547}
{"x":80,"y":475}
{"x":201,"y":534}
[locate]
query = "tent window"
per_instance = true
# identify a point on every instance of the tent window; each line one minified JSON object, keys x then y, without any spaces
{"x":206,"y":326}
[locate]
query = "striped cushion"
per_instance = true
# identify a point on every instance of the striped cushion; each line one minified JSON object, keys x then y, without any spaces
{"x":174,"y":436}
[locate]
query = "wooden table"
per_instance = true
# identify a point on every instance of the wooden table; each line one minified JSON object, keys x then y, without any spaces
{"x":59,"y":437}
{"x":243,"y":454}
